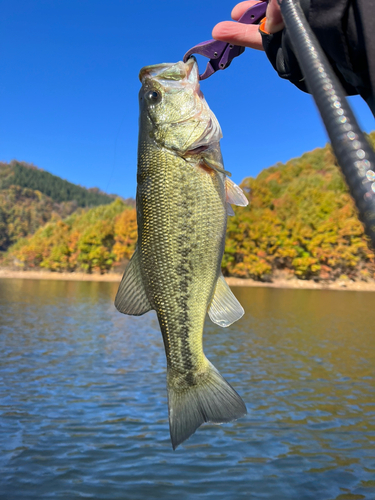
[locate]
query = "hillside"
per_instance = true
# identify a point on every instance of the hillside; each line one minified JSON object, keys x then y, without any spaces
{"x":23,"y":211}
{"x":30,"y":197}
{"x":28,"y":176}
{"x":94,"y":240}
{"x":301,"y":221}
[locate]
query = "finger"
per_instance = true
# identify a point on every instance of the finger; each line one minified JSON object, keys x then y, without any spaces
{"x":246,"y":35}
{"x":241,"y":8}
{"x":274,"y":21}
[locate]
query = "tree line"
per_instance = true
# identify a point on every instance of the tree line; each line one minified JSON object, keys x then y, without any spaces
{"x":28,"y":176}
{"x":300,"y":221}
{"x":23,"y":211}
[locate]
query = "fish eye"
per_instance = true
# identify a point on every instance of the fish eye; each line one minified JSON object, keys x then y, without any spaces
{"x":153,"y":96}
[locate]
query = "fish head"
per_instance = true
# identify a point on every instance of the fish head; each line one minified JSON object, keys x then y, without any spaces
{"x":173,"y":110}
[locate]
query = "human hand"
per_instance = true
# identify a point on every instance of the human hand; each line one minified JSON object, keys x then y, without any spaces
{"x":247,"y":35}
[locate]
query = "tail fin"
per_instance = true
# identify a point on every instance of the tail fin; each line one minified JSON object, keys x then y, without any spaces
{"x":198,"y":398}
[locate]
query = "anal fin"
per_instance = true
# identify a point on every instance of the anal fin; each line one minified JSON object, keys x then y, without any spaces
{"x":131,"y":296}
{"x":224,"y":308}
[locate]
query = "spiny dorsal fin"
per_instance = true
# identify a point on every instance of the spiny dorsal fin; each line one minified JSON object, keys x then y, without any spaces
{"x":131,"y":296}
{"x":235,"y":195}
{"x":225,"y":308}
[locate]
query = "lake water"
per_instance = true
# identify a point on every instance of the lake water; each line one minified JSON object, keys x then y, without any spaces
{"x":83,"y":407}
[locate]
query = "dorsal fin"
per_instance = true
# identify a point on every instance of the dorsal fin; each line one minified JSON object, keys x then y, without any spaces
{"x":230,"y":210}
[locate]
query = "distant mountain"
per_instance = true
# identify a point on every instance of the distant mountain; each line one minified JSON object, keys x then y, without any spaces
{"x":30,"y":197}
{"x":300,"y":221}
{"x":23,"y":211}
{"x":59,"y":190}
{"x":98,"y":239}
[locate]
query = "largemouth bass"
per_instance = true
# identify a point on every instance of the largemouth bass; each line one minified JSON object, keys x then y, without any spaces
{"x":183,"y":199}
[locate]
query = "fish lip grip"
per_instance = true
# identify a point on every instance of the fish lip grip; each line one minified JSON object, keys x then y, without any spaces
{"x":221,"y":54}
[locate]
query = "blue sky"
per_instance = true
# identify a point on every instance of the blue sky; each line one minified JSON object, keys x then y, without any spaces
{"x":69,"y":86}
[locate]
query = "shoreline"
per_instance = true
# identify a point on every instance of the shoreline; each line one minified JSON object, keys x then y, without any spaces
{"x":232,"y":282}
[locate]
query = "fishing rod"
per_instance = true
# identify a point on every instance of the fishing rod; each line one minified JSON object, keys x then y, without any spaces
{"x":353,"y":152}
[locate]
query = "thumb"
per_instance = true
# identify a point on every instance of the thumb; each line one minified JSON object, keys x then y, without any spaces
{"x":274,"y":21}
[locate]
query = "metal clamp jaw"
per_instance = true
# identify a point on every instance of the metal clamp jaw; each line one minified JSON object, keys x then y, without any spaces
{"x":221,"y":54}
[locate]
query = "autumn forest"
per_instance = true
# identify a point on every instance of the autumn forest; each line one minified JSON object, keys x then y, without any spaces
{"x":300,"y":221}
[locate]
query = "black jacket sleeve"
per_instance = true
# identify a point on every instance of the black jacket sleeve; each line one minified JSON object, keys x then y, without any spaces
{"x":338,"y":26}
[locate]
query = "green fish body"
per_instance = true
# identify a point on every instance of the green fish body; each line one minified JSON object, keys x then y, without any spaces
{"x":182,"y":206}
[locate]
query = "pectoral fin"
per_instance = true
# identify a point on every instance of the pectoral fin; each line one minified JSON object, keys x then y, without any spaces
{"x":225,"y":308}
{"x":131,"y":296}
{"x":213,"y":159}
{"x":235,"y":195}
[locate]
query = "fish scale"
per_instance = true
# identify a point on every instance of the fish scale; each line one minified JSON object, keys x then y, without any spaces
{"x":182,"y":196}
{"x":180,"y":276}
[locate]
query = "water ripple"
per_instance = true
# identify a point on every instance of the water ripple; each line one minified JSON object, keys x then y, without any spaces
{"x":83,"y":404}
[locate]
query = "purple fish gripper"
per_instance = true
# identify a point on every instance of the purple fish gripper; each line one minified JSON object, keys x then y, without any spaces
{"x":221,"y":54}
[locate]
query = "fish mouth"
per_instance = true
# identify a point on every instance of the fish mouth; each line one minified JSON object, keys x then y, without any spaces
{"x":153,"y":70}
{"x":171,"y":72}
